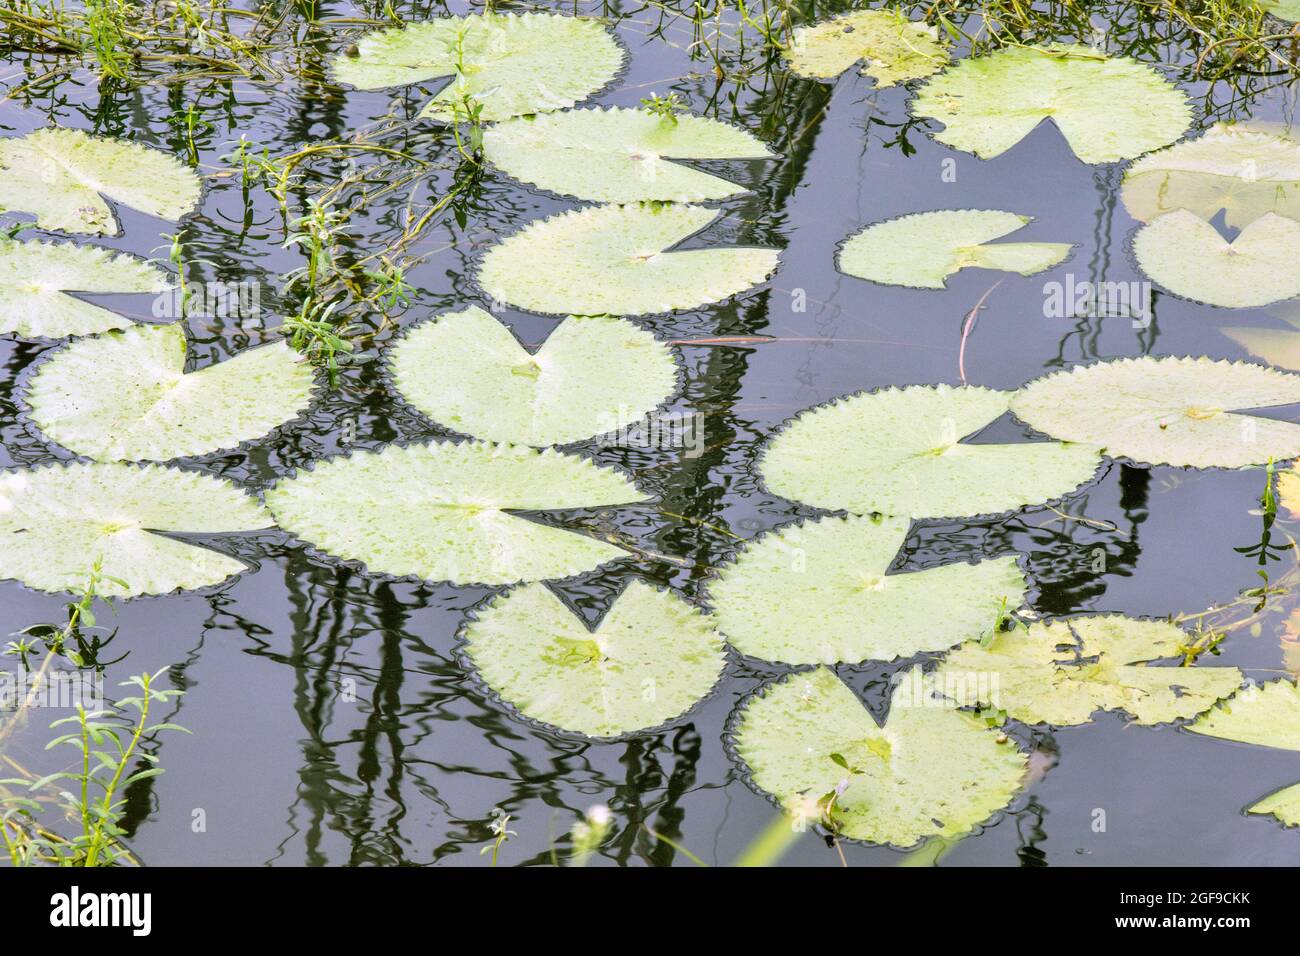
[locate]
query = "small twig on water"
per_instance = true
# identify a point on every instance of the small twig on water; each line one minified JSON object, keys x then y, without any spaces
{"x":968,"y":326}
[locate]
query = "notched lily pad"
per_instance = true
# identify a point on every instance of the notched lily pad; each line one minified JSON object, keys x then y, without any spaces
{"x":1062,"y":673}
{"x":125,"y":396}
{"x":651,"y":658}
{"x":441,"y":511}
{"x":899,"y":451}
{"x":923,"y":249}
{"x":57,"y":521}
{"x":892,"y":48}
{"x":36,"y":277}
{"x":1186,"y":412}
{"x":1107,"y":108}
{"x":467,"y":372}
{"x":611,"y":260}
{"x":822,"y":593}
{"x":929,"y":770}
{"x":62,"y":175}
{"x":619,"y":155}
{"x":509,"y":64}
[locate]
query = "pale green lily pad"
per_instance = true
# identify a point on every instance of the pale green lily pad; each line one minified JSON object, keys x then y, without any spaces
{"x":61,"y":175}
{"x":596,"y":374}
{"x":1267,"y":715}
{"x":619,"y":155}
{"x":1167,"y":411}
{"x":1107,"y":108}
{"x":611,"y":260}
{"x":1062,"y":673}
{"x":1241,"y":170}
{"x":893,"y":49}
{"x":928,"y":771}
{"x":36,"y":277}
{"x":899,"y":452}
{"x":1188,"y":256}
{"x":1279,"y":347}
{"x":923,"y":249}
{"x":1284,"y":805}
{"x":57,"y":521}
{"x":652,"y":657}
{"x":1283,"y":9}
{"x":822,"y":593}
{"x":510,"y":64}
{"x":125,"y":396}
{"x":441,"y":511}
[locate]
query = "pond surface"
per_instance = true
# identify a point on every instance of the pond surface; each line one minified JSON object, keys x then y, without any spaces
{"x":333,"y":721}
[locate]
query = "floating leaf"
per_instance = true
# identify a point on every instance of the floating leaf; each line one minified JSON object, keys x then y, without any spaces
{"x":1189,"y":257}
{"x":441,"y":511}
{"x":652,"y":657}
{"x":611,"y":260}
{"x":1283,"y":9}
{"x":61,"y":175}
{"x":1063,"y":672}
{"x":125,"y":396}
{"x":619,"y":155}
{"x":893,"y":49}
{"x":467,"y":372}
{"x":1107,"y":108}
{"x":36,"y":277}
{"x":929,"y":770}
{"x":822,"y":593}
{"x":510,"y":64}
{"x":1245,"y":172}
{"x":57,"y":521}
{"x":1267,"y":715}
{"x":923,"y":249}
{"x":899,"y":452}
{"x":1167,"y":411}
{"x":1284,"y":806}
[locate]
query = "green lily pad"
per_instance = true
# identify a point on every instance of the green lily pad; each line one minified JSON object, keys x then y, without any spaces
{"x":1267,"y":715}
{"x":1243,"y":171}
{"x":923,"y":249}
{"x":441,"y":511}
{"x":36,"y":277}
{"x":610,"y":260}
{"x":509,"y":64}
{"x":62,"y":175}
{"x":1284,"y":805}
{"x":57,"y":521}
{"x":1189,"y":257}
{"x":1282,"y":9}
{"x":822,"y":593}
{"x":1062,"y":673}
{"x":1279,"y":347}
{"x":898,"y":451}
{"x":893,"y":49}
{"x":619,"y":155}
{"x":928,"y":771}
{"x":652,"y":657}
{"x":1167,"y":411}
{"x":467,"y":372}
{"x":1107,"y":108}
{"x":125,"y":396}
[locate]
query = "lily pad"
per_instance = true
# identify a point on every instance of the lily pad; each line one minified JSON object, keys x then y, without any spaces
{"x":467,"y":372}
{"x":1243,"y":171}
{"x":1184,"y":411}
{"x":1279,"y":347}
{"x":650,"y":660}
{"x":1062,"y":673}
{"x":1189,"y":257}
{"x":441,"y":511}
{"x":125,"y":396}
{"x":1283,"y":9}
{"x":619,"y":155}
{"x":1107,"y":108}
{"x":1267,"y":715}
{"x":893,"y":49}
{"x":509,"y":64}
{"x":1283,"y":806}
{"x":899,"y":452}
{"x":611,"y":260}
{"x":36,"y":277}
{"x":928,"y":771}
{"x":57,"y":521}
{"x":62,"y":175}
{"x":923,"y":249}
{"x":822,"y":593}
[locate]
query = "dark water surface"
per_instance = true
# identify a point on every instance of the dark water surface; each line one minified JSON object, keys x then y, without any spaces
{"x":289,"y":771}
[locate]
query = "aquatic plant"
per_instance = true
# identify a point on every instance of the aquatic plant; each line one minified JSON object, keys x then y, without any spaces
{"x":892,"y":48}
